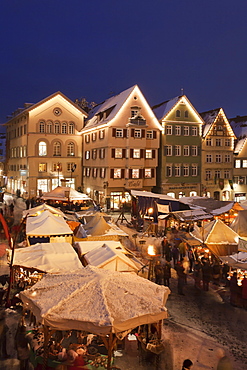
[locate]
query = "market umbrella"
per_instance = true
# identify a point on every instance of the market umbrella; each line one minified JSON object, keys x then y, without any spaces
{"x":103,"y":302}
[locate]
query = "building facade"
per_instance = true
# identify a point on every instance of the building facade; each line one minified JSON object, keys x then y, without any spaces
{"x":120,"y":148}
{"x":217,"y":155}
{"x":44,"y":146}
{"x":180,"y":148}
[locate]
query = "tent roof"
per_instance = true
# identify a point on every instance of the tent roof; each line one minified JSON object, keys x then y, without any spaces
{"x":47,"y":224}
{"x":209,"y":205}
{"x":237,"y":260}
{"x":60,"y":192}
{"x":239,"y":224}
{"x":48,"y":257}
{"x":41,"y":208}
{"x":96,"y":300}
{"x":88,"y":245}
{"x":110,"y":258}
{"x":98,"y":227}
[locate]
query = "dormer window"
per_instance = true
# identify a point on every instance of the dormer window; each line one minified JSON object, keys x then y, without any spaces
{"x":178,"y":113}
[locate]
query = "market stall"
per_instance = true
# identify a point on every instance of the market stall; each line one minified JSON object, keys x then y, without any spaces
{"x":114,"y":303}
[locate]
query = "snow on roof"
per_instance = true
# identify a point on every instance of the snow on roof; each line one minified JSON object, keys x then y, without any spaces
{"x":48,"y":257}
{"x":192,"y":215}
{"x":96,"y":300}
{"x":161,"y":110}
{"x":239,"y":126}
{"x":47,"y":224}
{"x":41,"y":208}
{"x":210,"y":205}
{"x":139,"y":193}
{"x":239,"y":146}
{"x":88,"y":245}
{"x":64,"y":193}
{"x":115,"y":102}
{"x":209,"y":117}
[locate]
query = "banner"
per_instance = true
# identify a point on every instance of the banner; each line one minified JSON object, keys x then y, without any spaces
{"x":163,"y":208}
{"x":231,"y":184}
{"x":221,"y":184}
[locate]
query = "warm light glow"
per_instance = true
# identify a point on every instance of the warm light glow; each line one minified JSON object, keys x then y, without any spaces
{"x":150,"y":210}
{"x":123,"y":200}
{"x":151,"y":250}
{"x":88,"y":190}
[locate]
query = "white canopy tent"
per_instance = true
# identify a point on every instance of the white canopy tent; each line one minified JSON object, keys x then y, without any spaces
{"x":54,"y":258}
{"x":89,"y":245}
{"x":41,"y":208}
{"x":239,"y":224}
{"x":64,"y":193}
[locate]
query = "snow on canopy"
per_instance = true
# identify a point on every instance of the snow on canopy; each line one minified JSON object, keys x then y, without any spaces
{"x":219,"y":237}
{"x":41,"y":208}
{"x":236,"y":261}
{"x":98,"y":227}
{"x":88,"y":245}
{"x":48,"y":257}
{"x":110,"y":258}
{"x":239,"y":224}
{"x":64,"y":193}
{"x":96,"y":300}
{"x":47,"y":224}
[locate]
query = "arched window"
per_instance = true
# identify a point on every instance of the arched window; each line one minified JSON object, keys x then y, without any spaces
{"x":71,"y":149}
{"x":57,"y":128}
{"x":49,"y":127}
{"x":64,"y":128}
{"x":42,"y":127}
{"x":186,"y":114}
{"x":42,"y":148}
{"x":57,"y":149}
{"x":71,"y":128}
{"x":178,"y":113}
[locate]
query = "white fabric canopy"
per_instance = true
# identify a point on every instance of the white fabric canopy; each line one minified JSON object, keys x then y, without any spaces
{"x":64,"y":193}
{"x":47,"y":224}
{"x":88,"y":245}
{"x":41,"y":208}
{"x":96,"y":300}
{"x":48,"y":257}
{"x":239,"y":224}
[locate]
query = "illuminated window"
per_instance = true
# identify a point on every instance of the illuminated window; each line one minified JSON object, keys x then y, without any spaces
{"x":244,"y":164}
{"x":71,"y":149}
{"x":94,"y":154}
{"x":71,"y":128}
{"x":42,"y":167}
{"x":148,"y":153}
{"x":102,"y":173}
{"x":42,"y":127}
{"x":136,"y":153}
{"x":102,"y":153}
{"x":237,"y":163}
{"x":64,"y":128}
{"x":135,"y":173}
{"x":117,"y":173}
{"x":102,"y":134}
{"x":57,"y":167}
{"x":148,"y":173}
{"x":118,"y":153}
{"x":57,"y":149}
{"x":87,"y":154}
{"x":94,"y":136}
{"x":57,"y":128}
{"x":87,"y":138}
{"x":42,"y":148}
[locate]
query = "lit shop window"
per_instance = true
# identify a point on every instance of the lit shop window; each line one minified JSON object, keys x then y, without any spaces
{"x":42,"y":148}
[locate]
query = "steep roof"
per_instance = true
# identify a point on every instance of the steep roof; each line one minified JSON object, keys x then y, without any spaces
{"x":209,"y":117}
{"x":239,"y":126}
{"x":161,"y":110}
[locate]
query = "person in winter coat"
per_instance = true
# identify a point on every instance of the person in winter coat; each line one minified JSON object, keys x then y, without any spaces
{"x":181,"y":277}
{"x":158,"y":273}
{"x":197,"y":274}
{"x":167,"y":273}
{"x":206,"y":274}
{"x":175,"y":255}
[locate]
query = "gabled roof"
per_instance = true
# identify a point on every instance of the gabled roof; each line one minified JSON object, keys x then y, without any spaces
{"x":210,"y":117}
{"x":239,"y":146}
{"x":111,"y":107}
{"x":163,"y":109}
{"x":29,"y":107}
{"x":239,"y":126}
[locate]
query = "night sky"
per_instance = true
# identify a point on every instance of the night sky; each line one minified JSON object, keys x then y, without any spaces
{"x":96,"y":48}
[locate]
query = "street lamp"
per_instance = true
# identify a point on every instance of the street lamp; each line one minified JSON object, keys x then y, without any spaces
{"x":151,"y":253}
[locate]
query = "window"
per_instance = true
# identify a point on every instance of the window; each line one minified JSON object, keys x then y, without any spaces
{"x":168,"y":130}
{"x":136,"y":153}
{"x":138,"y":133}
{"x":88,"y":172}
{"x":117,"y":173}
{"x":95,"y":170}
{"x":101,"y":134}
{"x":148,"y":153}
{"x":119,"y":132}
{"x":71,"y":128}
{"x":71,"y":166}
{"x":209,"y":142}
{"x":150,"y":134}
{"x":42,"y":127}
{"x":94,"y":136}
{"x":87,"y":154}
{"x":217,"y":174}
{"x":186,"y":150}
{"x":218,"y":158}
{"x":185,"y":170}
{"x":25,"y":151}
{"x":226,"y":174}
{"x":64,"y":128}
{"x":134,"y":111}
{"x":57,"y":149}
{"x":209,"y":158}
{"x":227,"y":158}
{"x":194,"y":150}
{"x":42,"y":167}
{"x":102,"y":153}
{"x":208,"y":175}
{"x":177,"y":169}
{"x":178,"y":113}
{"x":168,"y":150}
{"x":57,"y":128}
{"x":218,"y":142}
{"x":186,"y":131}
{"x":87,"y":138}
{"x":57,"y":167}
{"x":42,"y":184}
{"x":194,"y":131}
{"x":147,"y":173}
{"x":177,"y":150}
{"x":227,"y":142}
{"x":177,"y":130}
{"x":135,"y":173}
{"x":244,"y":163}
{"x":94,"y":154}
{"x":237,"y":163}
{"x":194,"y":170}
{"x":21,"y":152}
{"x":118,"y":153}
{"x":42,"y":148}
{"x":186,"y":114}
{"x":71,"y":149}
{"x":102,"y":173}
{"x":49,"y":127}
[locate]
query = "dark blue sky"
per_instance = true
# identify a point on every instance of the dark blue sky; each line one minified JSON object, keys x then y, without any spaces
{"x":93,"y":48}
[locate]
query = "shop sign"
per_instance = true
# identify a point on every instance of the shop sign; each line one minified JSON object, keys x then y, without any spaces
{"x":134,"y":184}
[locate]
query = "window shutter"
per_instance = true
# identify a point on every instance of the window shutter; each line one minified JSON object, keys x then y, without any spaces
{"x":114,"y":132}
{"x":122,"y":173}
{"x":103,"y":153}
{"x":112,"y":173}
{"x":124,"y":153}
{"x":142,"y":153}
{"x":152,"y":172}
{"x":130,"y":174}
{"x":141,"y":170}
{"x":154,"y":134}
{"x":132,"y":132}
{"x":113,"y":153}
{"x":125,"y":132}
{"x":153,"y":153}
{"x":131,"y":153}
{"x":143,"y":133}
